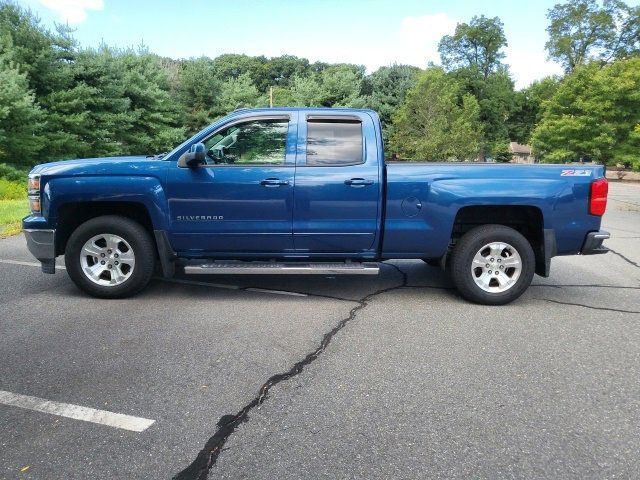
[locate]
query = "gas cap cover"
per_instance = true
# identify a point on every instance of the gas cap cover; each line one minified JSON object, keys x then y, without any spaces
{"x":411,"y":206}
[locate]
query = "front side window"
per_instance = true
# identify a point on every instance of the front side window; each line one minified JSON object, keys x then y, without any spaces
{"x":259,"y":142}
{"x":334,"y":142}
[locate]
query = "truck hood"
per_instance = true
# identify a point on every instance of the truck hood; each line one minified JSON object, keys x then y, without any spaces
{"x":98,"y":166}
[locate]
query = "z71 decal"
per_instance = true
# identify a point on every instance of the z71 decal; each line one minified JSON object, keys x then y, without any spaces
{"x":575,"y":173}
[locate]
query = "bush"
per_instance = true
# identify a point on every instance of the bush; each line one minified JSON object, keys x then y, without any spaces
{"x":12,"y":190}
{"x":13,"y":174}
{"x":502,"y":153}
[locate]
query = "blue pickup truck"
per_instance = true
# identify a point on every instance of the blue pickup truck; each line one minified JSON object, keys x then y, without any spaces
{"x":307,"y":191}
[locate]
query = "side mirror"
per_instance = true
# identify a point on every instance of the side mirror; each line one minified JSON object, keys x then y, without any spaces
{"x":194,"y":157}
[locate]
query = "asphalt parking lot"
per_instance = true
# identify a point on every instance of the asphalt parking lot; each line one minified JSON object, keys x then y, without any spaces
{"x":392,"y":376}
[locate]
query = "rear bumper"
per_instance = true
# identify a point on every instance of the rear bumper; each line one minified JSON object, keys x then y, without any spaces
{"x":41,"y":244}
{"x":593,"y":243}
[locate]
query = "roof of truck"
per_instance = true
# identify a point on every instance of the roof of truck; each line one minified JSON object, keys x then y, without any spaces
{"x":302,"y":109}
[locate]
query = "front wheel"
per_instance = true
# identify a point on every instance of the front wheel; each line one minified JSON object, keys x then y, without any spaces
{"x":492,"y":265}
{"x":110,"y":257}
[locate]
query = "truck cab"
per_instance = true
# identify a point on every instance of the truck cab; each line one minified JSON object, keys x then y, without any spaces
{"x":280,"y":183}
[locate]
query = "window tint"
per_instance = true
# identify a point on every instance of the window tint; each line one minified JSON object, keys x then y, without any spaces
{"x":260,"y":142}
{"x":334,"y":143}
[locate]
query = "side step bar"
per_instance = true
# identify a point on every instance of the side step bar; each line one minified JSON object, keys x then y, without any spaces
{"x":282,"y":268}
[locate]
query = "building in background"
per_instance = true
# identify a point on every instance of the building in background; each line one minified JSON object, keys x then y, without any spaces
{"x":522,"y":153}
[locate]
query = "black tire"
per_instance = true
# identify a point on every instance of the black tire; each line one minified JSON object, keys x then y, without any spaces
{"x":134,"y":234}
{"x":469,"y":245}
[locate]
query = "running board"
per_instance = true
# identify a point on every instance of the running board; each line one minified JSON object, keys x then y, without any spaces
{"x":282,"y":268}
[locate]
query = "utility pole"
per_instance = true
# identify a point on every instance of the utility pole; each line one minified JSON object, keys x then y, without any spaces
{"x":270,"y":97}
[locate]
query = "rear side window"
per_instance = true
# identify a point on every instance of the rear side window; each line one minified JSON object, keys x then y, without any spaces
{"x":334,"y":143}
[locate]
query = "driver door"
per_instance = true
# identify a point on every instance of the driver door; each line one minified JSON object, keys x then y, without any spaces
{"x":241,"y":201}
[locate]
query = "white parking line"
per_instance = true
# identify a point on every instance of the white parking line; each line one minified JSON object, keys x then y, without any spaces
{"x":177,"y":280}
{"x":26,"y":264}
{"x":103,"y":417}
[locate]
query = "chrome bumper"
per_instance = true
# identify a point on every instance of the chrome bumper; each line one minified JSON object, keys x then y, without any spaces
{"x":593,"y":243}
{"x":41,"y":244}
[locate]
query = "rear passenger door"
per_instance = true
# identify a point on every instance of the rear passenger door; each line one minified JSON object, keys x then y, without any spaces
{"x":337,"y":193}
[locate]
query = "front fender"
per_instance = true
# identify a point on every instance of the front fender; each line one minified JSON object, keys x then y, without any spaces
{"x":146,"y":190}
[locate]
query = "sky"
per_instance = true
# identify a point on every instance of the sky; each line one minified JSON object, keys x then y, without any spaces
{"x":373,"y":33}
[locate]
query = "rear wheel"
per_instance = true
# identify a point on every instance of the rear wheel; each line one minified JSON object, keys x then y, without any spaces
{"x":110,"y":257}
{"x":492,"y":265}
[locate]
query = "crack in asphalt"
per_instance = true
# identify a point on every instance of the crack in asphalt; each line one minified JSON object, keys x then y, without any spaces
{"x":628,"y":260}
{"x":207,"y":457}
{"x":608,"y":309}
{"x":227,"y":424}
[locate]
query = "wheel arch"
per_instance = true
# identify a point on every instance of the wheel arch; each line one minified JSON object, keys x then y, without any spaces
{"x":73,"y":214}
{"x":526,"y":219}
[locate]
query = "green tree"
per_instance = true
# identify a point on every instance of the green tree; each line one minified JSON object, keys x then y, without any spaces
{"x":20,"y":118}
{"x":529,"y":107}
{"x":154,"y":114}
{"x":198,"y":91}
{"x":83,"y":118}
{"x":282,"y":97}
{"x":307,"y":91}
{"x":239,"y":92}
{"x":473,"y":56}
{"x":385,"y":90}
{"x":477,"y":45}
{"x":594,"y":115}
{"x":235,"y":65}
{"x":341,"y":84}
{"x":278,"y":71}
{"x":39,"y":53}
{"x":438,"y":120}
{"x":502,"y":153}
{"x":584,"y":30}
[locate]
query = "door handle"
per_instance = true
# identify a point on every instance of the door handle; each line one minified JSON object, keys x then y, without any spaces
{"x":358,"y":182}
{"x":274,"y":182}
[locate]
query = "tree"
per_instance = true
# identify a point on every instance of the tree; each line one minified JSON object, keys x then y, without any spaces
{"x":280,"y":70}
{"x":234,"y":65}
{"x":529,"y":107}
{"x":282,"y":97}
{"x":307,"y":91}
{"x":39,"y":53}
{"x":198,"y":91}
{"x":239,"y":93}
{"x":477,"y":45}
{"x":341,"y":84}
{"x":83,"y":119}
{"x":20,"y":118}
{"x":583,"y":30}
{"x":438,"y":120}
{"x":473,"y":56}
{"x":502,"y":153}
{"x":385,"y":90}
{"x":594,"y":115}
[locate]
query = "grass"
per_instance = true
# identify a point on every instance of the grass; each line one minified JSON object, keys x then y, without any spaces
{"x":11,"y":214}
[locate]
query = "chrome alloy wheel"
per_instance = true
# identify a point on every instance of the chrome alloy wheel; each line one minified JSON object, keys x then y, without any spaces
{"x":107,"y":259}
{"x":496,"y":267}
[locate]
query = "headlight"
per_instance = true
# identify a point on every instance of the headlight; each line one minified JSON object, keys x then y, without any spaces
{"x":34,"y":184}
{"x":34,"y":205}
{"x":34,"y":194}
